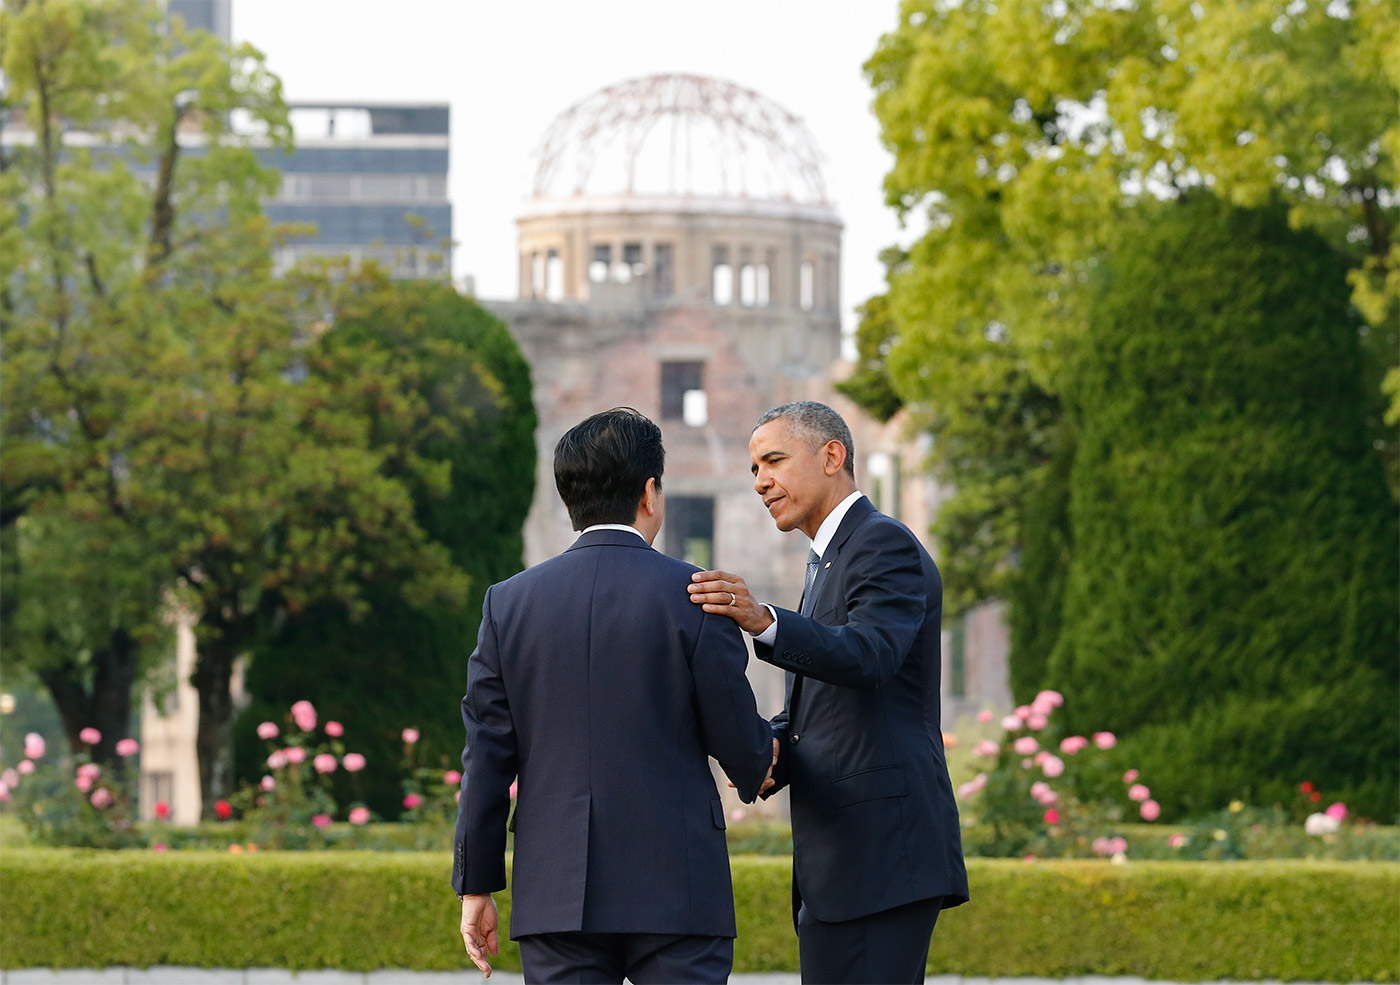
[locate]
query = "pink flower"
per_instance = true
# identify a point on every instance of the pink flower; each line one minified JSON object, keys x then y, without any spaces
{"x":90,"y":770}
{"x":738,"y":814}
{"x":1025,"y":745}
{"x":1053,"y":766}
{"x":359,"y":815}
{"x":514,"y":789}
{"x":1051,"y":698}
{"x":1052,"y":816}
{"x":162,"y":810}
{"x":25,"y":767}
{"x":1150,"y":810}
{"x":277,"y":760}
{"x":1138,"y":792}
{"x":295,"y":754}
{"x":412,"y":800}
{"x":1338,"y":811}
{"x":90,"y":736}
{"x":1027,"y":763}
{"x":410,"y":736}
{"x":1118,"y":844}
{"x":4,"y":791}
{"x":267,"y":783}
{"x":1027,"y":858}
{"x":160,"y":846}
{"x":33,"y":746}
{"x":1023,"y":712}
{"x":223,"y":809}
{"x":304,"y":714}
{"x":1105,"y":740}
{"x":1036,"y":721}
{"x":83,"y":782}
{"x":1011,"y":723}
{"x":1073,"y":744}
{"x":986,"y":748}
{"x":1039,"y":789}
{"x":452,"y":777}
{"x":1102,"y":846}
{"x":353,"y":762}
{"x":972,"y":786}
{"x":1176,"y":840}
{"x":321,"y":820}
{"x":11,"y":778}
{"x":1130,"y":776}
{"x":334,"y":729}
{"x":324,"y":763}
{"x":984,"y":715}
{"x":1041,"y":756}
{"x":127,"y":747}
{"x":268,"y":730}
{"x":101,"y":797}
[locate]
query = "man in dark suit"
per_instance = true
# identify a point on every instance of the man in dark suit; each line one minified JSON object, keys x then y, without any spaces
{"x":877,"y":852}
{"x":603,"y":690}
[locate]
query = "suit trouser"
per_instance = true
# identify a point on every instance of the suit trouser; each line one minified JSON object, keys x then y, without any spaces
{"x":886,"y":947}
{"x":580,"y":957}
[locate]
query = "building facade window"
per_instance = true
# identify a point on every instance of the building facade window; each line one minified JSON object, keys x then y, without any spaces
{"x":598,"y":266}
{"x":662,"y":273}
{"x":553,"y":277}
{"x":762,"y":287}
{"x":678,"y":379}
{"x":721,"y":276}
{"x":748,"y":285}
{"x":690,"y":529}
{"x":806,"y":286}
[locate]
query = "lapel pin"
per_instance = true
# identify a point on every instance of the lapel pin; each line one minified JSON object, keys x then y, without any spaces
{"x":827,"y":565}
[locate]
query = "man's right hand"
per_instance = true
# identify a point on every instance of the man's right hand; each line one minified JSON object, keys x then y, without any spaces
{"x":768,"y":782}
{"x":480,"y":924}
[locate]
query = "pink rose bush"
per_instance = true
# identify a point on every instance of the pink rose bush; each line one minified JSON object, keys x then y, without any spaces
{"x":74,"y":801}
{"x":1026,"y":800}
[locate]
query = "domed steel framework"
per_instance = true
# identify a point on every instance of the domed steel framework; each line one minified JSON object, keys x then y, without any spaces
{"x":679,"y":135}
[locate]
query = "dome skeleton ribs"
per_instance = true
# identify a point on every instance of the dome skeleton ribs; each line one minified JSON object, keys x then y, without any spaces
{"x":759,"y":149}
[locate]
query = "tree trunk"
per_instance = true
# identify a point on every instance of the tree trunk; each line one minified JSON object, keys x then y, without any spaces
{"x":212,"y":677}
{"x":106,"y":707}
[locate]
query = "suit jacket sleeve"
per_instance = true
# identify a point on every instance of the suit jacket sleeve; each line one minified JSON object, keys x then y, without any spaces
{"x":882,"y":582}
{"x":489,"y":764}
{"x":730,"y":726}
{"x":779,"y":727}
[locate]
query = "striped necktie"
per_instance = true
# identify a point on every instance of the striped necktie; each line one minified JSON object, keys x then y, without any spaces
{"x":808,"y":599}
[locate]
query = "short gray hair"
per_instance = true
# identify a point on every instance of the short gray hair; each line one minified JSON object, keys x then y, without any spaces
{"x":817,"y":424}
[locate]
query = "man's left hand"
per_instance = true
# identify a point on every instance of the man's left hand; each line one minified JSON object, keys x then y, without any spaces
{"x":479,"y":930}
{"x":725,"y":594}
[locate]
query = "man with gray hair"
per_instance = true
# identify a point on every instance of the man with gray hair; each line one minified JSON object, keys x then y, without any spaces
{"x":877,"y":853}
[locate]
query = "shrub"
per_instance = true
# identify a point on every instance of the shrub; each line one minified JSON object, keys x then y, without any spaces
{"x":1318,"y":921}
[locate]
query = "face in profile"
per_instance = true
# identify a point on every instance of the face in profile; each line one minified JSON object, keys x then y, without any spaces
{"x":791,"y":477}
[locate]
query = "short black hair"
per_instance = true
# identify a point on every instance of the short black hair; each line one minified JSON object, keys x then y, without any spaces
{"x":602,"y":464}
{"x":816,"y":424}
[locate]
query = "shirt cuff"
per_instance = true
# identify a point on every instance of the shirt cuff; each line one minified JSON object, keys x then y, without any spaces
{"x":771,"y":633}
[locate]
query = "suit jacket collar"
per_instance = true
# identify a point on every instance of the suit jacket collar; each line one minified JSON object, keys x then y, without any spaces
{"x":609,"y":538}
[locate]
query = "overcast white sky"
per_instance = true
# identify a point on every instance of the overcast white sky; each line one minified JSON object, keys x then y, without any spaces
{"x":508,"y":67}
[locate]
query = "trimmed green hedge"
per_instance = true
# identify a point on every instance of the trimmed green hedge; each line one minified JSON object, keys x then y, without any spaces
{"x":1182,"y":921}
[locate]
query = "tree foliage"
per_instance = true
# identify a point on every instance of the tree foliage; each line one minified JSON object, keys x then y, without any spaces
{"x":1230,"y":604}
{"x":1025,"y":134}
{"x":158,"y":373}
{"x":407,"y":666}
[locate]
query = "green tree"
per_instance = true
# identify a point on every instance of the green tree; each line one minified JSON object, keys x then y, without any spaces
{"x":157,"y":369}
{"x":1230,"y":606}
{"x":407,"y":667}
{"x":1025,"y":134}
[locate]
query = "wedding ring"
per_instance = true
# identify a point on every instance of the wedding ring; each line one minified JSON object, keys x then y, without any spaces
{"x":732,"y":598}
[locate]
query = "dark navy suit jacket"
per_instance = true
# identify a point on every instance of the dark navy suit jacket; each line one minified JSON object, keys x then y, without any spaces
{"x":874,"y":824}
{"x":603,"y":687}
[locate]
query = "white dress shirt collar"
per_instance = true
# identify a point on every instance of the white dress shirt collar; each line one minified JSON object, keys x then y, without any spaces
{"x":833,"y":520}
{"x":611,"y":526}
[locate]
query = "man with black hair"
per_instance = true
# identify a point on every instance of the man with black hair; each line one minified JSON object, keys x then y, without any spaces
{"x":604,"y":691}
